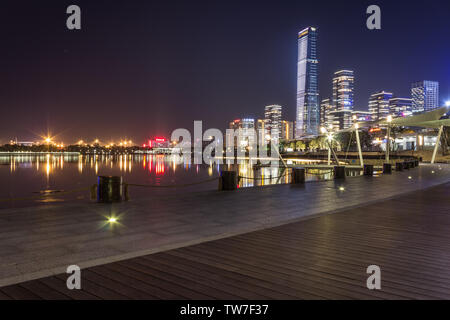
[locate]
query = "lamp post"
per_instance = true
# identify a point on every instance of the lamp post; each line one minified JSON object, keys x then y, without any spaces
{"x":361,"y":160}
{"x":329,"y":137}
{"x":388,"y":142}
{"x":436,"y":146}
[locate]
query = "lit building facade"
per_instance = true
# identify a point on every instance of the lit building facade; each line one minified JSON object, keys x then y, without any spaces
{"x":247,"y":129}
{"x":379,"y":105}
{"x":362,"y":116}
{"x":287,"y":130}
{"x":343,"y":86}
{"x":261,"y":127}
{"x":272,"y":117}
{"x":325,"y":108}
{"x":425,"y":96}
{"x":340,"y":120}
{"x":308,"y":109}
{"x":400,"y":107}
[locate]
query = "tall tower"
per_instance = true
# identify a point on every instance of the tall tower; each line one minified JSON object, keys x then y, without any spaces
{"x":273,"y":121}
{"x":308,"y":109}
{"x":425,"y":96}
{"x":379,"y":105}
{"x":343,"y":84}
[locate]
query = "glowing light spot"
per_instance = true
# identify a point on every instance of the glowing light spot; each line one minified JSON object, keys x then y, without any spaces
{"x":341,"y":188}
{"x":409,"y":177}
{"x":112,"y":220}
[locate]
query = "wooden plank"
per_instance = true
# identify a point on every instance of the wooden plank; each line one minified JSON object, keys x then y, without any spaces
{"x":320,"y":258}
{"x":96,"y":289}
{"x":18,"y":292}
{"x":60,"y":286}
{"x":166,"y":281}
{"x":43,"y":291}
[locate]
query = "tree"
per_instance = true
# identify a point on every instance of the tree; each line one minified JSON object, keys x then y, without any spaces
{"x":300,"y":145}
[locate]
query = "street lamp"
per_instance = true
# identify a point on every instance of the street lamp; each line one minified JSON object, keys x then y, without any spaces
{"x":388,"y":142}
{"x":358,"y":142}
{"x":447,"y":103}
{"x":323,"y":130}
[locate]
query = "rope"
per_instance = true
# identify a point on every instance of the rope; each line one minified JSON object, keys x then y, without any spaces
{"x":171,"y":186}
{"x":43,"y":195}
{"x":321,"y":173}
{"x":249,"y":178}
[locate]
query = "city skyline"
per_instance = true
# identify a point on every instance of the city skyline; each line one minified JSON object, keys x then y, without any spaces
{"x":88,"y":84}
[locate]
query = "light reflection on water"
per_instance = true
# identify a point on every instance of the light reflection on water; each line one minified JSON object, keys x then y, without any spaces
{"x":27,"y":175}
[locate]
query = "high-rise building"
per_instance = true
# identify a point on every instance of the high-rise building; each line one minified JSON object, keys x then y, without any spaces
{"x":272,"y":116}
{"x":425,"y":96}
{"x":246,"y":127}
{"x":340,"y":120}
{"x":379,"y":105}
{"x":261,"y":126}
{"x":325,"y":108}
{"x":287,"y":130}
{"x":361,"y":116}
{"x":343,"y":85}
{"x":308,"y":109}
{"x":400,"y":107}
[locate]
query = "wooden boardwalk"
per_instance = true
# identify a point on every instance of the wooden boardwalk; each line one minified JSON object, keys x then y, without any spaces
{"x":320,"y":258}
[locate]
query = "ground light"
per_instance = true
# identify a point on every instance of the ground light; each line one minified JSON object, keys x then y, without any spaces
{"x":112,"y":220}
{"x":341,"y":188}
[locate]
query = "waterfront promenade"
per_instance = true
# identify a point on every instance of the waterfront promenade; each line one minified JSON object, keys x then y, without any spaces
{"x":405,"y":233}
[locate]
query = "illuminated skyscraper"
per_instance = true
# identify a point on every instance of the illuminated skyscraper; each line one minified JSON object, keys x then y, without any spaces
{"x":273,"y":122}
{"x":379,"y":105}
{"x":400,"y":107}
{"x":308,"y":109}
{"x":245,"y":132}
{"x":325,"y":108}
{"x":425,"y":96}
{"x":343,"y":84}
{"x":287,"y":130}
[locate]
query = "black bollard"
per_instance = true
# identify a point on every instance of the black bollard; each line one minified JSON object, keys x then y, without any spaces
{"x":387,"y":168}
{"x":398,"y":166}
{"x":109,"y":189}
{"x":417,"y":162}
{"x":298,"y":176}
{"x":368,"y":169}
{"x":228,"y":180}
{"x":339,"y":172}
{"x":410,"y":164}
{"x":405,"y":165}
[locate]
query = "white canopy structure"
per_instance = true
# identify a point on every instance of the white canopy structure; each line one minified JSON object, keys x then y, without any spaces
{"x":431,"y":119}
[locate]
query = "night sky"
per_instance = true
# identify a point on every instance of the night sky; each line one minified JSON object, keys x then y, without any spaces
{"x":143,"y":68}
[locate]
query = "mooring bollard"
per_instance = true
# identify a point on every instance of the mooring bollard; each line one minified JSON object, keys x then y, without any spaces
{"x":339,"y":172}
{"x":416,"y":162}
{"x":405,"y":165}
{"x":387,"y":168}
{"x":398,"y":166}
{"x":410,"y":164}
{"x":109,"y":189}
{"x":368,"y":169}
{"x":298,"y":176}
{"x":228,"y":180}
